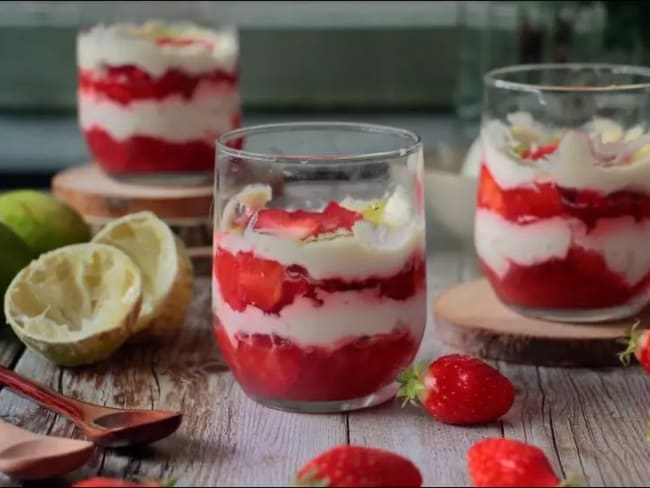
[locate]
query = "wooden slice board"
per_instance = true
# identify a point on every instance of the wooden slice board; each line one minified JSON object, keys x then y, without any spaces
{"x":99,"y":198}
{"x":470,"y":318}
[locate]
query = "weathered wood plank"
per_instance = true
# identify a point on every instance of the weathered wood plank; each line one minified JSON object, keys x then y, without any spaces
{"x":437,"y":449}
{"x":10,"y":346}
{"x":225,"y":439}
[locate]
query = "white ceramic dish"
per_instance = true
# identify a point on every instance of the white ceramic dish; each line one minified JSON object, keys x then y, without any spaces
{"x":450,"y":193}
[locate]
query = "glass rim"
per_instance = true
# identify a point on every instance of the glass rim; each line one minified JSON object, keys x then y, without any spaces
{"x":494,"y":78}
{"x":414,"y":143}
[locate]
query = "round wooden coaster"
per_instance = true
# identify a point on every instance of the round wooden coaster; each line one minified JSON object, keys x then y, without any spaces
{"x":99,"y":198}
{"x":470,"y":318}
{"x":95,"y":194}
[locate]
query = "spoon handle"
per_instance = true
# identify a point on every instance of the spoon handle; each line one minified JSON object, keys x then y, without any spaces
{"x":42,"y":395}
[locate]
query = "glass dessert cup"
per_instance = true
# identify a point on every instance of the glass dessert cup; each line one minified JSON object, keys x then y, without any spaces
{"x":562,"y":226}
{"x":153,"y":97}
{"x":319,"y":281}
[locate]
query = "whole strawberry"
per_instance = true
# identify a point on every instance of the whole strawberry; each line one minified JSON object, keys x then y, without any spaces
{"x":506,"y":462}
{"x":458,"y":389}
{"x":358,"y":466}
{"x":638,"y":345}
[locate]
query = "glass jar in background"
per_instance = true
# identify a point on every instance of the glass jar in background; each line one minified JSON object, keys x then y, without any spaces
{"x":153,"y":97}
{"x":319,"y":283}
{"x":563,"y":211}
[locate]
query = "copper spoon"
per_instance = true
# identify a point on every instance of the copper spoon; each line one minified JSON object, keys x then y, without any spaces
{"x":107,"y":427}
{"x":28,"y":456}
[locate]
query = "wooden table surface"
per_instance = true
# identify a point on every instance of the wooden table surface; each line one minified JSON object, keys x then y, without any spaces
{"x":589,"y":422}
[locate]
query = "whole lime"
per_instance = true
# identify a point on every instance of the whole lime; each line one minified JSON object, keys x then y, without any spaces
{"x":42,"y":221}
{"x":15,"y":256}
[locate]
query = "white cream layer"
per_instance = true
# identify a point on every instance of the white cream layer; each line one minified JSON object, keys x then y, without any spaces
{"x":353,"y":257}
{"x":342,"y":315}
{"x":124,"y":44}
{"x":573,"y":165}
{"x":623,"y":242}
{"x":203,"y":117}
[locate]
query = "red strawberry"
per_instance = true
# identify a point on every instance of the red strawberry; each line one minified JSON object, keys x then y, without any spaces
{"x":297,"y":224}
{"x":100,"y":482}
{"x":638,"y":345}
{"x":540,"y":152}
{"x":260,"y":281}
{"x":336,"y":217}
{"x":359,"y":466}
{"x":506,"y":462}
{"x":458,"y":389}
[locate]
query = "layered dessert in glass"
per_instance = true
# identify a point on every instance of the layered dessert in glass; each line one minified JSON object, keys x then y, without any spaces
{"x":153,"y":97}
{"x":319,"y":293}
{"x":562,"y":225}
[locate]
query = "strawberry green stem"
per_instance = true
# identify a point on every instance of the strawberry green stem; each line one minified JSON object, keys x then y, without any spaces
{"x":309,"y":479}
{"x":631,"y":340}
{"x":412,"y":384}
{"x":573,"y":480}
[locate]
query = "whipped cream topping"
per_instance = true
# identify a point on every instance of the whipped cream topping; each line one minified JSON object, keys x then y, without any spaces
{"x":600,"y":156}
{"x":368,"y":250}
{"x":140,"y":45}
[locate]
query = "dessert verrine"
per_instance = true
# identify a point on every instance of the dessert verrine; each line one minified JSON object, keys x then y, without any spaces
{"x":154,"y":97}
{"x":563,"y":217}
{"x":318,"y":305}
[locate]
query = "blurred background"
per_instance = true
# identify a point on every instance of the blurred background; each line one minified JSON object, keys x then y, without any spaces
{"x":413,"y":64}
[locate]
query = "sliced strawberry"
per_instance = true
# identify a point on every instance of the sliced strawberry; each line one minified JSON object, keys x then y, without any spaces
{"x":335,"y":217}
{"x":297,"y":224}
{"x":260,"y":281}
{"x":226,"y":272}
{"x":540,"y":152}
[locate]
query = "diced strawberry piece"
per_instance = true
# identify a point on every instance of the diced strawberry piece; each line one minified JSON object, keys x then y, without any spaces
{"x":260,"y":281}
{"x":540,"y":152}
{"x":489,"y":193}
{"x":519,"y":204}
{"x":226,"y":271}
{"x":335,"y":217}
{"x":298,"y":224}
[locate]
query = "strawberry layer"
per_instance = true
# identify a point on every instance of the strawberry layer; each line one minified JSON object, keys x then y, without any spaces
{"x":125,"y":84}
{"x":581,"y":280}
{"x":545,"y":200}
{"x":144,"y":154}
{"x":322,"y":318}
{"x":245,"y":280}
{"x":272,"y":367}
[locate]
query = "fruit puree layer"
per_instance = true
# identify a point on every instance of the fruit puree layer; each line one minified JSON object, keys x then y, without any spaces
{"x":319,"y":305}
{"x":154,"y":97}
{"x":563,"y":216}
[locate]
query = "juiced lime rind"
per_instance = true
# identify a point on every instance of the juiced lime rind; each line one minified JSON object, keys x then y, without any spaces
{"x":146,"y":240}
{"x":165,"y":266}
{"x":171,"y":312}
{"x":75,"y":305}
{"x":42,"y":221}
{"x":14,"y":256}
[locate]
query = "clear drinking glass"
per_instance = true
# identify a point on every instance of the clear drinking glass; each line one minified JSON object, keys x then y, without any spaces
{"x":154,"y":96}
{"x":563,"y":212}
{"x":319,"y":289}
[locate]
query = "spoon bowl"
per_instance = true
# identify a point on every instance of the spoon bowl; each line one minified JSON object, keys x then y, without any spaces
{"x":28,"y":456}
{"x":105,"y":426}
